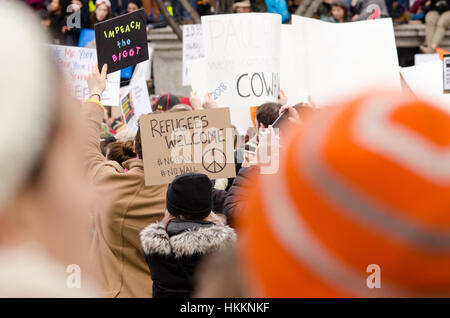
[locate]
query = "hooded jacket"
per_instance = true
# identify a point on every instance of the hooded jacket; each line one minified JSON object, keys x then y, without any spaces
{"x":173,"y":254}
{"x":118,"y":262}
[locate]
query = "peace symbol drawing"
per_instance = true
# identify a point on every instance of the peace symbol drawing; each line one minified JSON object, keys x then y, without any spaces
{"x":214,"y":160}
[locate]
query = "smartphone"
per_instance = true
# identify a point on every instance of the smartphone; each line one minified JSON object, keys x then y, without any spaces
{"x":280,"y":118}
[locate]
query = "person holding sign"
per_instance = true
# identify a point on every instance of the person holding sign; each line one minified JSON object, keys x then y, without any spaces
{"x":120,"y":268}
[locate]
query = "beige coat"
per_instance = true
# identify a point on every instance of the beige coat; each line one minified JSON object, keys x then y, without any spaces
{"x":117,"y":254}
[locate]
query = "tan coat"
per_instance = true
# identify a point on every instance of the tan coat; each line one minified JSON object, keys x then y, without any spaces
{"x":118,"y":259}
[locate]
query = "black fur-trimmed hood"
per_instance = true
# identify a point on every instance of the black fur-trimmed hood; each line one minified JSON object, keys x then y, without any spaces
{"x":155,"y":240}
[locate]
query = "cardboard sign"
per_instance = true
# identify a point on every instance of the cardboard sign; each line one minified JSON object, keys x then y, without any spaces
{"x":189,"y":141}
{"x":192,"y":47}
{"x":122,"y":41}
{"x":242,"y":54}
{"x":75,"y":64}
{"x":331,"y":64}
{"x":135,"y":102}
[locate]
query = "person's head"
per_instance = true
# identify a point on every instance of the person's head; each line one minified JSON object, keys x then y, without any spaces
{"x":339,"y":11}
{"x":102,"y":10}
{"x":54,"y":6}
{"x":363,"y":183}
{"x":165,"y":102}
{"x":133,"y":5}
{"x":45,"y":196}
{"x":58,"y":6}
{"x":77,"y":5}
{"x":189,"y":196}
{"x":242,"y":6}
{"x":266,"y":114}
{"x":120,"y":151}
{"x":104,"y":142}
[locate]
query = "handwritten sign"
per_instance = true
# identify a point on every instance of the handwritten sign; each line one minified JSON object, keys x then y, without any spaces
{"x":242,"y":53}
{"x":192,"y":47}
{"x":190,"y":141}
{"x":135,"y":102}
{"x":75,"y":64}
{"x":122,"y":41}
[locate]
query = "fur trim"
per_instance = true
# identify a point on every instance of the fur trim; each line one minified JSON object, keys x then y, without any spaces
{"x":155,"y":240}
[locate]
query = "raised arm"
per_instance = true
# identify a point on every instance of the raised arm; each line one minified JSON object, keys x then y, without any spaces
{"x":92,"y":111}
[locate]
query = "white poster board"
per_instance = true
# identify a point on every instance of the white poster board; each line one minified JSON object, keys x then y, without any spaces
{"x":197,"y":74}
{"x":192,"y":47}
{"x":143,"y":69}
{"x":342,"y":59}
{"x":291,"y":81}
{"x":423,"y":58}
{"x":135,"y":102}
{"x":426,"y":82}
{"x":75,"y":63}
{"x":242,"y":53}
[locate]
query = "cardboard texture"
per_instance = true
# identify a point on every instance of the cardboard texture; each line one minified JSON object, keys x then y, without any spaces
{"x":187,"y":141}
{"x":122,"y":41}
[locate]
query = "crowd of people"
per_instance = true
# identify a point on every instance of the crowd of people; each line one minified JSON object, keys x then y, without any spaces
{"x":362,"y":182}
{"x":55,"y":14}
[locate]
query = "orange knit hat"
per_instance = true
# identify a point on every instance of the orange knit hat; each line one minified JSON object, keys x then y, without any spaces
{"x":364,"y":183}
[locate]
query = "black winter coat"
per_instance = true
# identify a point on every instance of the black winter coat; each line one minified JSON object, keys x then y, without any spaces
{"x":235,"y":196}
{"x":173,"y":255}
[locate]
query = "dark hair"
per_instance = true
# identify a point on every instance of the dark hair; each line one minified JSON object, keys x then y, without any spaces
{"x":44,"y":15}
{"x":267,"y":113}
{"x":138,"y":143}
{"x":105,"y":142}
{"x":121,"y":151}
{"x":138,"y":3}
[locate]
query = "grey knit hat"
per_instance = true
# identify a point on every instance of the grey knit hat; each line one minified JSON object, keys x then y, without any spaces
{"x":27,"y":86}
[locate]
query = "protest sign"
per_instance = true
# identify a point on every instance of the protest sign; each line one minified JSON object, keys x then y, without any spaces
{"x":342,"y":58}
{"x":290,"y":67}
{"x":143,"y":69}
{"x":423,"y":58}
{"x":426,"y":81}
{"x":181,"y":142}
{"x":192,"y":47}
{"x":75,"y":64}
{"x":242,"y":53}
{"x":135,"y":102}
{"x":197,"y":74}
{"x":122,"y":41}
{"x":127,"y":107}
{"x":446,"y":73}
